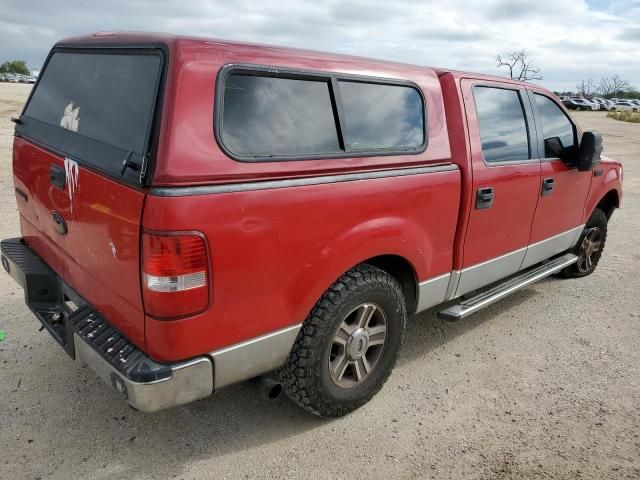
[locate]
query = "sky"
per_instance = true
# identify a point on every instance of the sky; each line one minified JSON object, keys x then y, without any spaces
{"x":570,"y":40}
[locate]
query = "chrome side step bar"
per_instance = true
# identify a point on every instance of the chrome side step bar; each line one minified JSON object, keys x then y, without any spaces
{"x":485,"y":298}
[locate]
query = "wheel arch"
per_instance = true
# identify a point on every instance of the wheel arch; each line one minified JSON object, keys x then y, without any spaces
{"x":403,"y":271}
{"x":609,"y":202}
{"x":605,"y":191}
{"x":407,"y":250}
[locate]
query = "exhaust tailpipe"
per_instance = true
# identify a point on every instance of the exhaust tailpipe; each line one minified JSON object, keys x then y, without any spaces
{"x":267,"y":388}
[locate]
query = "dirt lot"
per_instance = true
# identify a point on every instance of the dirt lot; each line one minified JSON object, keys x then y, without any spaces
{"x":545,"y":384}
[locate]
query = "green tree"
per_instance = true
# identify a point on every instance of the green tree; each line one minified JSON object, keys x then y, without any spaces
{"x":16,"y":66}
{"x":631,"y":93}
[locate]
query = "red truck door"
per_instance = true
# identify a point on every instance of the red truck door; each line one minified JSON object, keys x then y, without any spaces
{"x":563,"y":189}
{"x":506,"y":181}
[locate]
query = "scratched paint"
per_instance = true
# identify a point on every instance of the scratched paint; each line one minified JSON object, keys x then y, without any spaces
{"x":71,"y":171}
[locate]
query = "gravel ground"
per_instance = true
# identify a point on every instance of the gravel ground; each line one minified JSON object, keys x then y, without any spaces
{"x":544,"y":384}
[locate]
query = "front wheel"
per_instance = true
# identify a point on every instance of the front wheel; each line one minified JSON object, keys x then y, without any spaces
{"x":348,"y":345}
{"x":589,"y":247}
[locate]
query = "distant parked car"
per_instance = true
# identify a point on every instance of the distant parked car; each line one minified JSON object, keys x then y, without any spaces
{"x":592,"y":101}
{"x":31,"y":79}
{"x":569,"y":103}
{"x":604,"y":103}
{"x":12,"y":78}
{"x":580,"y":104}
{"x":626,"y":106}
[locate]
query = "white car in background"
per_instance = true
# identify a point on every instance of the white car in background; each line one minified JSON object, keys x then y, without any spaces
{"x":626,"y":106}
{"x":604,"y":103}
{"x":580,"y":103}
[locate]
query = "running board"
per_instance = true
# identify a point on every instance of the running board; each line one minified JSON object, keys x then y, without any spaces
{"x":483,"y":299}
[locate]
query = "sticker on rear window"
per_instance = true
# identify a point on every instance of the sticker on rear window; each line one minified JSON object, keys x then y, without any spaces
{"x":71,"y":117}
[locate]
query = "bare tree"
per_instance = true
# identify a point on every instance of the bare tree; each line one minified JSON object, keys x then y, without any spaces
{"x":519,"y":66}
{"x":611,"y":86}
{"x":586,"y":88}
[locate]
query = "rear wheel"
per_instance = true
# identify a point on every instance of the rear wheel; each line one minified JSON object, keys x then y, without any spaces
{"x":589,"y":247}
{"x":348,"y":345}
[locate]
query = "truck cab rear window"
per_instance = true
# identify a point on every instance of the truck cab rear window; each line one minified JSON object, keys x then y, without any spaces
{"x":96,"y":107}
{"x":269,"y":117}
{"x":503,"y":129}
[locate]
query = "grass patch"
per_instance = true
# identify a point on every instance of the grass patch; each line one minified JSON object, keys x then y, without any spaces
{"x":633,"y":117}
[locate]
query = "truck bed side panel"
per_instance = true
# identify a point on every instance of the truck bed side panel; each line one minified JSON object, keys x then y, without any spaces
{"x":274,"y":252}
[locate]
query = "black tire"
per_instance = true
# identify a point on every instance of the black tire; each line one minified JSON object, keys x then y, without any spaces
{"x":597,"y":227}
{"x":306,"y":375}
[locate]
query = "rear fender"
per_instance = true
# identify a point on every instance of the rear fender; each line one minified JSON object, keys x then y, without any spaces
{"x":380,"y":236}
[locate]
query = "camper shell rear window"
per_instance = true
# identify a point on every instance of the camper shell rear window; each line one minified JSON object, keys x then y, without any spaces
{"x":97,"y":107}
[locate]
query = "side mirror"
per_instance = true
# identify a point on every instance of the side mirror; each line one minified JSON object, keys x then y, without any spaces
{"x":589,"y":151}
{"x":553,"y":148}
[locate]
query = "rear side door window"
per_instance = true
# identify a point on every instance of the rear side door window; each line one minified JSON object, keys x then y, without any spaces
{"x":502,"y":123}
{"x":557,"y":129}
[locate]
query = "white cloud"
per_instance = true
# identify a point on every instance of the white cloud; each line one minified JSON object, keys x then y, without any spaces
{"x":569,"y":39}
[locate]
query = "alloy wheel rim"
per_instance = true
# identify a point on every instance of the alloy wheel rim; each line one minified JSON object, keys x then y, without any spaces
{"x":357,"y":345}
{"x":589,"y":248}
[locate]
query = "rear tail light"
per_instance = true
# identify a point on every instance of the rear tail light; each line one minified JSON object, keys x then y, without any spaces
{"x":175,"y":274}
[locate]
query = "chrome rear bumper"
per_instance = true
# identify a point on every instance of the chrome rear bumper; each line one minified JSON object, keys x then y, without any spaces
{"x":189,"y":381}
{"x":89,"y":338}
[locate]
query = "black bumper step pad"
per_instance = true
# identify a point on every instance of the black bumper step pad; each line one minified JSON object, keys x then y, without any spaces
{"x":121,"y":354}
{"x":44,"y":296}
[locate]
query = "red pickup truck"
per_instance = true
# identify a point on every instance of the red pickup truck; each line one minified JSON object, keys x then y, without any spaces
{"x":197,"y":213}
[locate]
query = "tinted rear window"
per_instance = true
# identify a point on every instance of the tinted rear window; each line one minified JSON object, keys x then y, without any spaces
{"x":266,"y":116}
{"x":110,"y":96}
{"x":97,"y":108}
{"x":503,"y":129}
{"x":382,"y":116}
